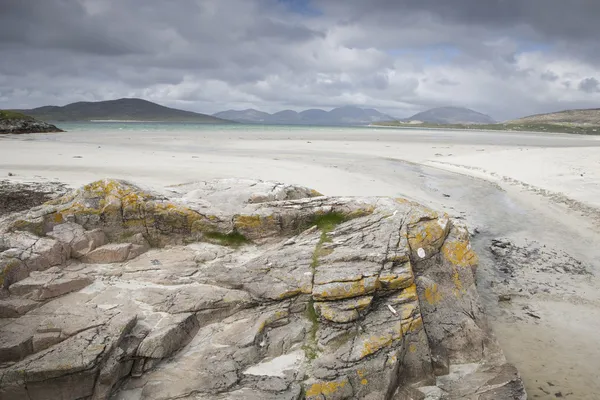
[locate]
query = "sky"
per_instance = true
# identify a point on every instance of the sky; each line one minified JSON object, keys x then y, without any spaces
{"x":505,"y":58}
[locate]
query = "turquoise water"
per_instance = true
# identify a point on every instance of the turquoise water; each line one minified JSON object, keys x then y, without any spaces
{"x":181,"y":126}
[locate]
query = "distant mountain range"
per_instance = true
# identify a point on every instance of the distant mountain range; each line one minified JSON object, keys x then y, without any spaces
{"x":348,"y":115}
{"x":119,"y":110}
{"x":351,"y":115}
{"x":143,"y":110}
{"x":451,"y":115}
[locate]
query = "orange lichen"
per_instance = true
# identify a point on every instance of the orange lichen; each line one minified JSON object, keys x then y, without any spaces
{"x":408,"y":294}
{"x":432,"y":295}
{"x":345,"y":290}
{"x":396,"y":281}
{"x":325,"y":388}
{"x":375,"y":343}
{"x":459,"y":253}
{"x":458,"y":286}
{"x":430,"y":233}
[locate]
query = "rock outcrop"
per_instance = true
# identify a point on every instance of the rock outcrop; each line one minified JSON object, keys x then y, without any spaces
{"x":241,"y":290}
{"x":27,"y":125}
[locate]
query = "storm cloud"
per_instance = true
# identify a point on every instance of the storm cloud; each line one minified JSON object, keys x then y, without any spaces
{"x":503,"y":57}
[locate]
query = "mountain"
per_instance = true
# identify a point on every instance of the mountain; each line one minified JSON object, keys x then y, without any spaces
{"x":589,"y":116}
{"x":452,"y":115}
{"x":285,"y":117}
{"x":348,"y":115}
{"x":246,"y":116}
{"x":122,"y":110}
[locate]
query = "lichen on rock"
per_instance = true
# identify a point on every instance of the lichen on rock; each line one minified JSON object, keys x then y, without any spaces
{"x":241,"y":289}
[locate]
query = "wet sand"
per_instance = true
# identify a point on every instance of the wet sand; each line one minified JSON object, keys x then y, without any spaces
{"x":532,"y":202}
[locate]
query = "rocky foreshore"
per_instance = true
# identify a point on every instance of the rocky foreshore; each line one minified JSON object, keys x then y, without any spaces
{"x":14,"y":123}
{"x":237,"y":289}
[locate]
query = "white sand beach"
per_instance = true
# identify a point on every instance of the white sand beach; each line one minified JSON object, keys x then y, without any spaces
{"x":538,"y":195}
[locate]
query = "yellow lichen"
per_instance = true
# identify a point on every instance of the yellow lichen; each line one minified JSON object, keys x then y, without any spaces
{"x":432,"y":295}
{"x":407,"y":310}
{"x":458,"y":286}
{"x":364,"y":382}
{"x":271,"y":318}
{"x":459,"y":253}
{"x":248,"y":222}
{"x":325,"y":388}
{"x":8,"y":267}
{"x":396,"y":281}
{"x":391,"y":361}
{"x":408,"y":294}
{"x":428,"y":234}
{"x":256,"y":226}
{"x":345,"y":290}
{"x":412,"y":325}
{"x":375,"y":343}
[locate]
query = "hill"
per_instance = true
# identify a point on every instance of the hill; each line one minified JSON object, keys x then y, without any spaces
{"x":121,"y":110}
{"x":245,"y":116}
{"x":568,"y":117}
{"x":452,"y":115}
{"x":14,"y":122}
{"x":348,"y":115}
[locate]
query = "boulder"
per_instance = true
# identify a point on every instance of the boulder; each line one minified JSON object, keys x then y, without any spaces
{"x":251,"y":291}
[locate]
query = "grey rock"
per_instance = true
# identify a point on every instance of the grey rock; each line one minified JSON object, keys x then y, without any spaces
{"x":46,"y":285}
{"x":26,"y":125}
{"x":168,"y":336}
{"x":14,"y":307}
{"x":330,"y":298}
{"x":108,"y":254}
{"x":79,"y":241}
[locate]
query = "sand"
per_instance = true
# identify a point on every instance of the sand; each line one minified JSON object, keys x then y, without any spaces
{"x":539,"y":192}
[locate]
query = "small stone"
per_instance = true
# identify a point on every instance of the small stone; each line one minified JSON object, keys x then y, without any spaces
{"x":504,"y":297}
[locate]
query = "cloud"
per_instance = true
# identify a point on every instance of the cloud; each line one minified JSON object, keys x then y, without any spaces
{"x":506,"y":58}
{"x":589,"y":85}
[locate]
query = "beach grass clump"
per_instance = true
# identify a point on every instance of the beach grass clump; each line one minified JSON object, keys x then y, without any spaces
{"x":232,"y":239}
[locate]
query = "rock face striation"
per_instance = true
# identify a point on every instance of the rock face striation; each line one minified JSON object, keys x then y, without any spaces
{"x":237,"y":289}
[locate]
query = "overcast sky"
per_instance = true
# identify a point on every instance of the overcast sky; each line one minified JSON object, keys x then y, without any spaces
{"x":506,"y":58}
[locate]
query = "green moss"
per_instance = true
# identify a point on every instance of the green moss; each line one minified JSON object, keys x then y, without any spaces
{"x":310,"y":347}
{"x":35,"y":227}
{"x":9,"y":115}
{"x":327,"y":222}
{"x":233,"y":239}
